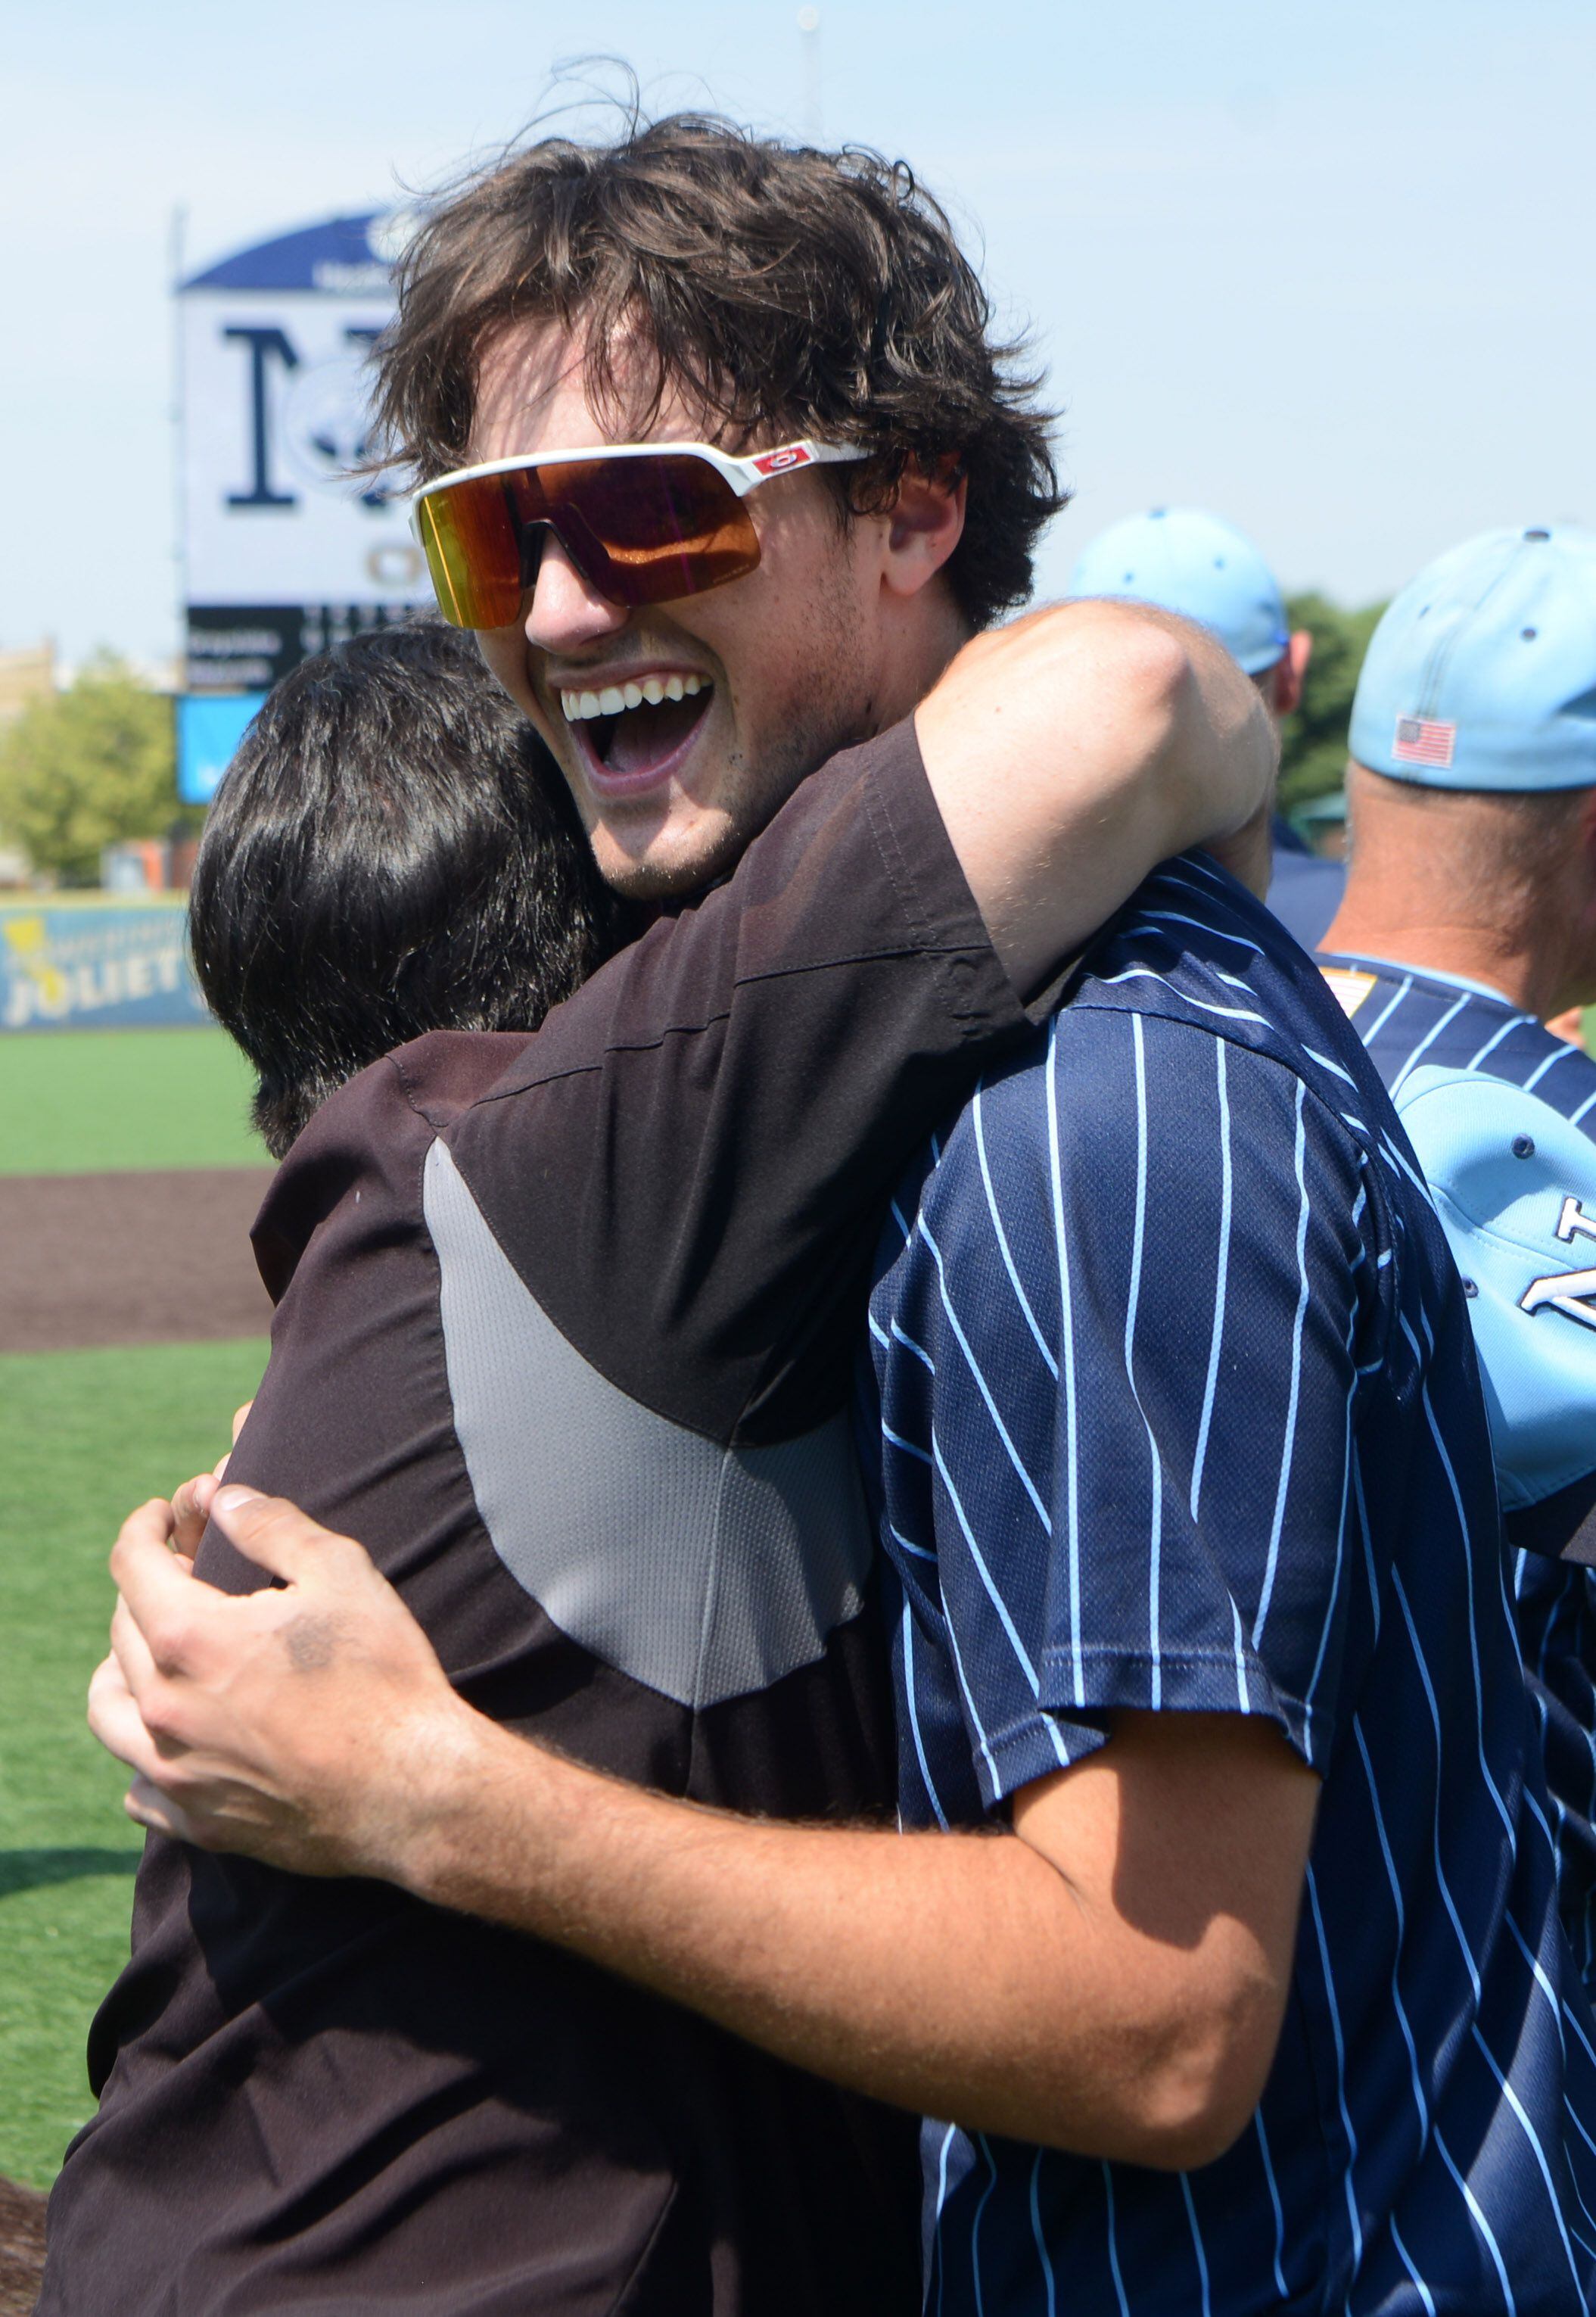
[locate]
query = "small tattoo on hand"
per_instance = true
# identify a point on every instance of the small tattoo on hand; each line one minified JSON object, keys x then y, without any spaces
{"x":311,"y":1642}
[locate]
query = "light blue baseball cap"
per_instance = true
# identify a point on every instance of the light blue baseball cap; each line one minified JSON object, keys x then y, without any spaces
{"x":1187,"y":562}
{"x":1482,"y":673}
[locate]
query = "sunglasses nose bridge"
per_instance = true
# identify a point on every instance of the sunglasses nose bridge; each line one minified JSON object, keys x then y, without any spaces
{"x":585,"y":549}
{"x":566,"y":606}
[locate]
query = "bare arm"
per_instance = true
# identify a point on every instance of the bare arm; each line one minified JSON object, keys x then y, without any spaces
{"x":1072,"y":751}
{"x":1134,"y":1933}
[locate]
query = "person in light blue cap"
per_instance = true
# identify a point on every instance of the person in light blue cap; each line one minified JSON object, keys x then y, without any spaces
{"x":1189,"y":562}
{"x":1469,"y":921}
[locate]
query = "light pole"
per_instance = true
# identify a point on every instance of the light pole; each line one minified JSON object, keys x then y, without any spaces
{"x":809,"y":24}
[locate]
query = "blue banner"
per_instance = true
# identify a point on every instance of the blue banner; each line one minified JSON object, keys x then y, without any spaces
{"x":209,"y":731}
{"x":96,"y":969}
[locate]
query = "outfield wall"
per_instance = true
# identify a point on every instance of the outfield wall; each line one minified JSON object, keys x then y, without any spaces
{"x":97,"y":965}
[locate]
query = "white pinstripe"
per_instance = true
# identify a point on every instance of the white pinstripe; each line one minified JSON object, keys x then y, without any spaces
{"x":1290,"y":1442}
{"x":1174,"y":917}
{"x":1155,"y":1493}
{"x":1066,"y":1341}
{"x":981,"y":2142}
{"x":1196,"y":2245}
{"x":1040,"y":2234}
{"x":1353,"y":2215}
{"x":909,"y":1345}
{"x":1108,"y":2182}
{"x":1226,"y":1186}
{"x":909,"y":1448}
{"x":1420,"y":2102}
{"x":1518,"y":1022}
{"x":1001,"y":1237}
{"x":1373,"y":1032}
{"x":906,"y":1544}
{"x":1020,"y":1652}
{"x":974,"y":1711}
{"x":1430,"y":1035}
{"x":1274,"y":2199}
{"x":1477,"y":2214}
{"x":1335,"y":1070}
{"x":1440,"y":1446}
{"x":1145,"y":973}
{"x":982,"y":1386}
{"x":1406,"y":2258}
{"x":1341,"y":1533}
{"x":1244,"y":1695}
{"x":1440,"y":1873}
{"x":931,"y":1795}
{"x":1374,"y":1582}
{"x":942,"y":2207}
{"x":1563,"y":1054}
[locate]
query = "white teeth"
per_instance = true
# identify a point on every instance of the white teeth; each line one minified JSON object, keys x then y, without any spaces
{"x":579,"y":706}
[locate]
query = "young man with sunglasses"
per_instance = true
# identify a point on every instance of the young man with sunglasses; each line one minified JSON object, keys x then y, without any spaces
{"x":1137,"y":1352}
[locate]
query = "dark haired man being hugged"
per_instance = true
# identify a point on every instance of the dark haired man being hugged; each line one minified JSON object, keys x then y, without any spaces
{"x":391,"y":852}
{"x":1176,"y":1445}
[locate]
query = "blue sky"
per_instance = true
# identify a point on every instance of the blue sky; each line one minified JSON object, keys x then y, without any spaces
{"x":1325,"y":269}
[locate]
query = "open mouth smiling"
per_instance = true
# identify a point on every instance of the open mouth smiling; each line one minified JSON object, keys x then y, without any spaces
{"x":635,"y":733}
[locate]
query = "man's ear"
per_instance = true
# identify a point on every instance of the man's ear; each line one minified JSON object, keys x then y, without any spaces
{"x":925,"y":524}
{"x":1289,"y":670}
{"x":1584,"y":839}
{"x":1582,"y":930}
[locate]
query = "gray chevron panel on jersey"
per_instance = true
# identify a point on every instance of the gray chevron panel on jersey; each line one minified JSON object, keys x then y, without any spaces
{"x":704,"y":1572}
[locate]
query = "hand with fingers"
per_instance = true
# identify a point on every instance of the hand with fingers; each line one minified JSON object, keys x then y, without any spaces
{"x":192,"y":1502}
{"x":294,"y":1723}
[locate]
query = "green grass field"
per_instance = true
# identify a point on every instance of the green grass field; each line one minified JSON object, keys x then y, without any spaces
{"x":81,"y":1102}
{"x":84,"y":1437}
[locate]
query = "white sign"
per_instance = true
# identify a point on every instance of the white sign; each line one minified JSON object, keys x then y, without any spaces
{"x":275,"y":400}
{"x":287,"y":543}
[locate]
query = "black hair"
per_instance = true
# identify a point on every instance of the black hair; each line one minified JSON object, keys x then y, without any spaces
{"x":391,"y":851}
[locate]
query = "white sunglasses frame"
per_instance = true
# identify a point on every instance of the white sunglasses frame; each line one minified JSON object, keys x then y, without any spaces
{"x":743,"y":475}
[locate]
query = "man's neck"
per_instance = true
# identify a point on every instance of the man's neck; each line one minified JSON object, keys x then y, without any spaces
{"x":1526,"y":979}
{"x":922,"y":654}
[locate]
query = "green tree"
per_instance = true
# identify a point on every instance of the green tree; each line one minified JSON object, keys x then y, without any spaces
{"x":93,"y":764}
{"x":1314,"y":741}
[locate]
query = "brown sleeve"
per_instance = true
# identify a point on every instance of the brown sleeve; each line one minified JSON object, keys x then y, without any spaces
{"x":691,"y":1163}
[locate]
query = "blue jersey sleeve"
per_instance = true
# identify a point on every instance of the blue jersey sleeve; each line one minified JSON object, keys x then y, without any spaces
{"x":1118,"y":1358}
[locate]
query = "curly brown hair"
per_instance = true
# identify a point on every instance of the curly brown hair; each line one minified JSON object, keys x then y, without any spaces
{"x":782,"y":290}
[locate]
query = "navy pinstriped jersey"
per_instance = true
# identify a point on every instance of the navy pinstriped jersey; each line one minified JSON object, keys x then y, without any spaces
{"x":1488,"y":1097}
{"x":1176,"y":1409}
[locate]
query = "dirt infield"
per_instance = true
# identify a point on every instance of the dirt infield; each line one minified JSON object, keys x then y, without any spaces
{"x":91,"y":1260}
{"x":21,"y":2247}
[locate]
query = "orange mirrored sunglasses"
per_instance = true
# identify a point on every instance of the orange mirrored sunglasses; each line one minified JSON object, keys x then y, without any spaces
{"x":642,"y":521}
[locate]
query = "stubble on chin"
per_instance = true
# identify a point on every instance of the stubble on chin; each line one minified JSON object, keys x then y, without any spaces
{"x":826,"y":707}
{"x":826,"y":703}
{"x":758,"y":783}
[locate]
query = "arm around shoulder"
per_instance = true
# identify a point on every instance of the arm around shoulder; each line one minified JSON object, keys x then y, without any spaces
{"x":1072,"y":751}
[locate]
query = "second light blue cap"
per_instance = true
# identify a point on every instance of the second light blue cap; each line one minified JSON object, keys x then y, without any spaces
{"x":1187,"y":562}
{"x":1482,"y":674}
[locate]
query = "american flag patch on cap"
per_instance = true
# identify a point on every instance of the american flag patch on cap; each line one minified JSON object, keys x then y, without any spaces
{"x":1419,"y":742}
